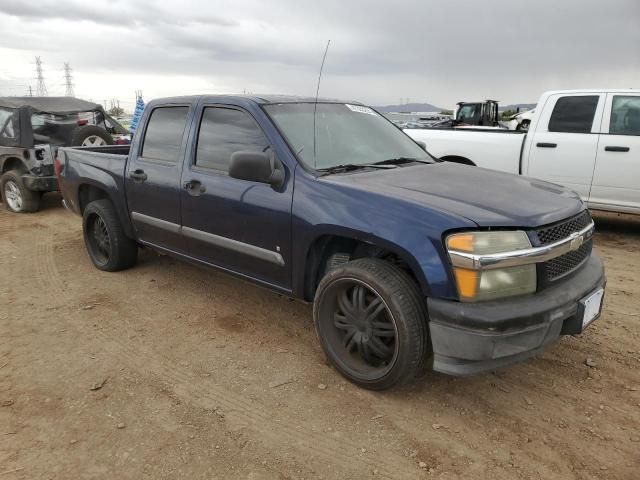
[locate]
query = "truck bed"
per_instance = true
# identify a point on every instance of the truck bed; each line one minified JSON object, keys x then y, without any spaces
{"x":105,"y":149}
{"x":497,"y":149}
{"x":103,"y":165}
{"x":80,"y":160}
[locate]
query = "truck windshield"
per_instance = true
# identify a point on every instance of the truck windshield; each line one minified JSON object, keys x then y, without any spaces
{"x":345,"y":134}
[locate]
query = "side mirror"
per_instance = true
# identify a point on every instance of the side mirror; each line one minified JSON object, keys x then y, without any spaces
{"x":422,"y":144}
{"x":255,"y":167}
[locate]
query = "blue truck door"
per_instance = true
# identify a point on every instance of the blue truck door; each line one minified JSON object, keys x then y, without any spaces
{"x":153,"y":177}
{"x":238,"y":225}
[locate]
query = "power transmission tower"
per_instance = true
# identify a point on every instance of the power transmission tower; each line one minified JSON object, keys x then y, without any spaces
{"x":41,"y":89}
{"x":68,"y":81}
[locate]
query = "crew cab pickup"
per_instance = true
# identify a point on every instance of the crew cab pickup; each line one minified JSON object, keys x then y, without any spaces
{"x":586,"y":140}
{"x":408,"y":263}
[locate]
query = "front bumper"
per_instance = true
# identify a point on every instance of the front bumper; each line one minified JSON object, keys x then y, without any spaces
{"x":470,"y":338}
{"x":47,"y":183}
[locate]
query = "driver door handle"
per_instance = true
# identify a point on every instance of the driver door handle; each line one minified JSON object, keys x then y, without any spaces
{"x":138,"y":176}
{"x":194,"y":187}
{"x":546,"y":145}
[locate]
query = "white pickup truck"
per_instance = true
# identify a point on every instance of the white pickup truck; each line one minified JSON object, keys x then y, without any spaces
{"x":587,"y":140}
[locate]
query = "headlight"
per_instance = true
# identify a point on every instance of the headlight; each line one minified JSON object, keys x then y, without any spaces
{"x":476,"y":284}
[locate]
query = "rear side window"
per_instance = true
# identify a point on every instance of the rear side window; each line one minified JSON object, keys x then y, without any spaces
{"x":8,"y":123}
{"x":573,"y":114}
{"x":625,"y":115}
{"x":224,"y":131}
{"x":163,"y":137}
{"x":59,"y":129}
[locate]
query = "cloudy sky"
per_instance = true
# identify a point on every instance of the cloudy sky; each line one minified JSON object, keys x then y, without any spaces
{"x":381,"y":51}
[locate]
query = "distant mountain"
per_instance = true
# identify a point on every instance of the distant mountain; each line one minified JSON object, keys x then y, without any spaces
{"x":515,"y":106}
{"x":427,"y":107}
{"x":409,"y":107}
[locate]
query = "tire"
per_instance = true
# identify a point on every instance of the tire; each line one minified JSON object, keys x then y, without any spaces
{"x":90,"y":136}
{"x":15,"y":196}
{"x":335,"y":260}
{"x":109,"y":248}
{"x":395,"y":315}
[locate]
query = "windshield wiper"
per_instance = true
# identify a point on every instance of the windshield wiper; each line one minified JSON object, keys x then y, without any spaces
{"x":400,"y":161}
{"x":347,"y":167}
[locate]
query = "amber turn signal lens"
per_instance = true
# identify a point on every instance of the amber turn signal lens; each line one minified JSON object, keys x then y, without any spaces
{"x":461,"y":243}
{"x":467,"y":281}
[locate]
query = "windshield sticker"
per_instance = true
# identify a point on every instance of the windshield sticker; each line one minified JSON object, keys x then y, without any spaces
{"x":360,"y":109}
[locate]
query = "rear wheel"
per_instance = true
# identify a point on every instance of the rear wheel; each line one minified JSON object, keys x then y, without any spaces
{"x":16,"y":197}
{"x":109,"y":248}
{"x":371,"y":321}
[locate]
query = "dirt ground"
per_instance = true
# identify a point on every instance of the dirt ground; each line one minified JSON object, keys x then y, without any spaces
{"x":171,"y":371}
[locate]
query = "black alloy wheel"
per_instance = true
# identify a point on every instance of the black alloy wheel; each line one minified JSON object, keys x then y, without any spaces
{"x":107,"y":244}
{"x":371,"y":320}
{"x":99,"y":240}
{"x":364,"y":329}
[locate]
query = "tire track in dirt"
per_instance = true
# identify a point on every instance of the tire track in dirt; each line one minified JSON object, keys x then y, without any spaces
{"x":256,"y":418}
{"x":43,"y":258}
{"x":7,"y":261}
{"x":7,"y":231}
{"x":10,"y":339}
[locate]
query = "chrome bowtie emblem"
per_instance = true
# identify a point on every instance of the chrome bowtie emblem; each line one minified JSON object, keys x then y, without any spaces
{"x":576,"y":241}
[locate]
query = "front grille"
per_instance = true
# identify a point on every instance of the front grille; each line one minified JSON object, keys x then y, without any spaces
{"x":564,"y":264}
{"x":562,"y":230}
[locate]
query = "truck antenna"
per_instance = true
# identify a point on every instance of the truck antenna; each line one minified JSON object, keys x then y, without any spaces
{"x":315,"y":105}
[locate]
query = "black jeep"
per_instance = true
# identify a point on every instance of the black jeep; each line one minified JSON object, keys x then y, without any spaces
{"x":31,"y":130}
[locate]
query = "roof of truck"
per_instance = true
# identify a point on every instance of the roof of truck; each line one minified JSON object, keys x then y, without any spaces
{"x":594,"y":90}
{"x":261,"y":99}
{"x":49,"y":104}
{"x":296,"y":99}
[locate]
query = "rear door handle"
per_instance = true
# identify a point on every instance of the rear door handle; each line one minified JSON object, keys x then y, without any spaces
{"x":546,"y":145}
{"x":138,"y":176}
{"x":194,"y":187}
{"x":616,"y":149}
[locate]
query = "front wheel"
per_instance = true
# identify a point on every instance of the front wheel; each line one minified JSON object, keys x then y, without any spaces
{"x":109,"y":248}
{"x":371,"y":320}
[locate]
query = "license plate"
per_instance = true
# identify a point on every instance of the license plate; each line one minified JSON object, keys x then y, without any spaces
{"x":592,"y":305}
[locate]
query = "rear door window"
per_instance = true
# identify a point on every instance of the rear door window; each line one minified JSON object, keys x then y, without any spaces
{"x":574,"y":114}
{"x":163,"y":137}
{"x":625,"y":115}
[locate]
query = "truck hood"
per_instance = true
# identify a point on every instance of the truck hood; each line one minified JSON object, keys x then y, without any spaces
{"x":487,"y":197}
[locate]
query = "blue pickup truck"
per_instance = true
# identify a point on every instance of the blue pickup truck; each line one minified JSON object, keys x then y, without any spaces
{"x":411,"y":263}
